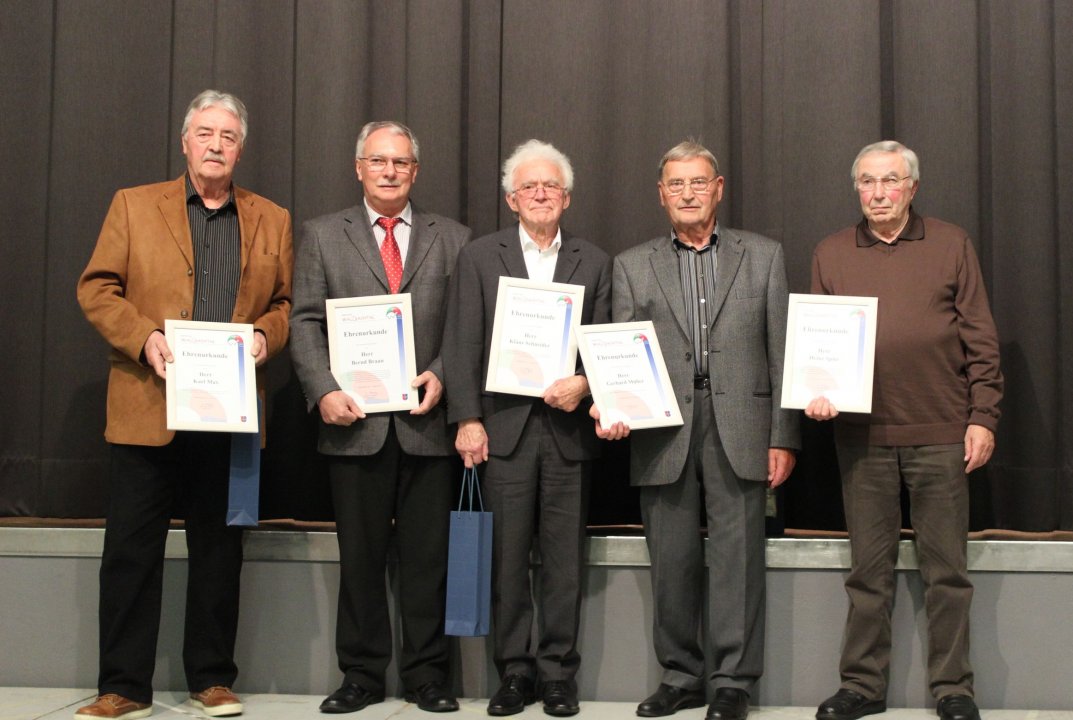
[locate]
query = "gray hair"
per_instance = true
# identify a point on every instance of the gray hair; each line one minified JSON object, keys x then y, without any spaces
{"x":396,"y":128}
{"x":531,"y":150}
{"x":225,"y":101}
{"x":912,"y":163}
{"x":687,"y":150}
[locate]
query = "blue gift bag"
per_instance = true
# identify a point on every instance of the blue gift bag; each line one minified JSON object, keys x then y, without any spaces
{"x":244,"y":487}
{"x":469,"y":564}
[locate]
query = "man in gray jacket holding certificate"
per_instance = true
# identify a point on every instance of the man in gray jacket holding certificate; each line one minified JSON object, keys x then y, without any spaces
{"x":390,"y":473}
{"x":717,"y":298}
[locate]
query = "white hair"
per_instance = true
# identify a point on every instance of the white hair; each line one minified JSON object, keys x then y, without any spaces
{"x":531,"y":150}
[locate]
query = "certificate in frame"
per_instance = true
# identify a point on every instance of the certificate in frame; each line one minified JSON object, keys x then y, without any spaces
{"x":830,"y":351}
{"x":533,"y":342}
{"x":371,"y":350}
{"x":212,"y":385}
{"x":627,"y":375}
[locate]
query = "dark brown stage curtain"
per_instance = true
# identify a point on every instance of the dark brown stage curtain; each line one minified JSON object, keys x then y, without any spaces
{"x":785,"y":92}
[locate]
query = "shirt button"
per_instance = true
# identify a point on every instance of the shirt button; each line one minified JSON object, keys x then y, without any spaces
{"x":705,"y":352}
{"x":702,"y":301}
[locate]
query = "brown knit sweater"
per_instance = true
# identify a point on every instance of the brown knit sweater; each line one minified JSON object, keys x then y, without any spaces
{"x":937,"y":352}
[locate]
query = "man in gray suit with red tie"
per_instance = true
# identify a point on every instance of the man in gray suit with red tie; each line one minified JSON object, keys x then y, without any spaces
{"x":390,"y":473}
{"x":538,"y":449}
{"x":718,"y":300}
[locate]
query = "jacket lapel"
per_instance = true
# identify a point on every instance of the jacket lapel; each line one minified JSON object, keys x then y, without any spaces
{"x":422,"y":236}
{"x":665,"y":270}
{"x":173,"y":208}
{"x":360,"y":233}
{"x":510,"y":253}
{"x":729,"y":253}
{"x":567,"y":261}
{"x":249,"y":218}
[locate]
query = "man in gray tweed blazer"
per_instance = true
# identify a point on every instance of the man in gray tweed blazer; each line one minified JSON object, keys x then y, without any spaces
{"x":390,"y":473}
{"x":718,"y":300}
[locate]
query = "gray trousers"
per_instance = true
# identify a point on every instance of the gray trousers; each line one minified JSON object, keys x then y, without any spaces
{"x":536,"y":490}
{"x":939,"y":502}
{"x":734,"y":509}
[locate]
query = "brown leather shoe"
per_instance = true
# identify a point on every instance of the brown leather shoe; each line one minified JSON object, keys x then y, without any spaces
{"x":217,"y":701}
{"x":115,"y":707}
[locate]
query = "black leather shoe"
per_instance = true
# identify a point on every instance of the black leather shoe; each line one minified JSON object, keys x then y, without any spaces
{"x":848,"y":705}
{"x":958,"y":707}
{"x":349,"y":698}
{"x":432,"y":697}
{"x":514,"y":693}
{"x":560,"y":698}
{"x":668,"y":699}
{"x":729,"y":704}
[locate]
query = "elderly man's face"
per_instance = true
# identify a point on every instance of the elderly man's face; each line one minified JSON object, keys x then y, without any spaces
{"x":212,"y":146}
{"x":883,"y":208}
{"x":691,"y":208}
{"x":387,"y":189}
{"x":539,"y":196}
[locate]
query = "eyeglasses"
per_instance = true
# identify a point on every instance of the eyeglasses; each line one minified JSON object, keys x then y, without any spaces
{"x":868,"y":184}
{"x":403,"y":165}
{"x":698,"y":185}
{"x":527,"y":190}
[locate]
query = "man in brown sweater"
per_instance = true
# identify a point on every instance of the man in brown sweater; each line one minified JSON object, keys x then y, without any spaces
{"x":935,"y":400}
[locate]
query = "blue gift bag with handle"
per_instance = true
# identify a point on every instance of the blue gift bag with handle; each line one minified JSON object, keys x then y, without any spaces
{"x":469,"y":563}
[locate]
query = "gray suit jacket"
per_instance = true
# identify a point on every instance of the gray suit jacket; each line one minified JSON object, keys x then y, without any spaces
{"x":337,"y":257}
{"x":468,"y":338}
{"x":745,"y":352}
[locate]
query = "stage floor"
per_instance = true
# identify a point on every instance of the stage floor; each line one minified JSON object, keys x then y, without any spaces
{"x":54,"y":703}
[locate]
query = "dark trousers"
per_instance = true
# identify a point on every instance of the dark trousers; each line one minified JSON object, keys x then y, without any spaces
{"x":187,"y":478}
{"x":375,"y":497}
{"x":736,"y":568}
{"x":939,"y":502}
{"x":536,"y":480}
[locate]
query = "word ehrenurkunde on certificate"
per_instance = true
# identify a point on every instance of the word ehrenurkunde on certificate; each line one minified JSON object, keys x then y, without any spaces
{"x":371,"y":350}
{"x":533,"y":343}
{"x":212,"y":384}
{"x":830,"y":351}
{"x":627,"y":376}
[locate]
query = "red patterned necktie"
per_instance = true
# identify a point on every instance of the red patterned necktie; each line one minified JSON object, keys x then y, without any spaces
{"x":389,"y":253}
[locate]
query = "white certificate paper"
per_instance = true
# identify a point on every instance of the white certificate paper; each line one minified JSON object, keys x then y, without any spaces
{"x":830,"y":351}
{"x":371,"y":350}
{"x":532,"y":340}
{"x":627,"y":376}
{"x":212,"y":384}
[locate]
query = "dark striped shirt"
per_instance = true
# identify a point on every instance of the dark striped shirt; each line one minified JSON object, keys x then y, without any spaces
{"x":217,"y":256}
{"x":697,"y":271}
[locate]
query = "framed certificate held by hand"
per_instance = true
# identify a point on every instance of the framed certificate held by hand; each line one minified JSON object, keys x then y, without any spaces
{"x":533,"y":343}
{"x":830,"y":351}
{"x":627,"y":375}
{"x":371,"y":350}
{"x":212,"y":384}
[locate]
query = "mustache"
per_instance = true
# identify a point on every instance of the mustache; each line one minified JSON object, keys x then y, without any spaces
{"x":212,"y":155}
